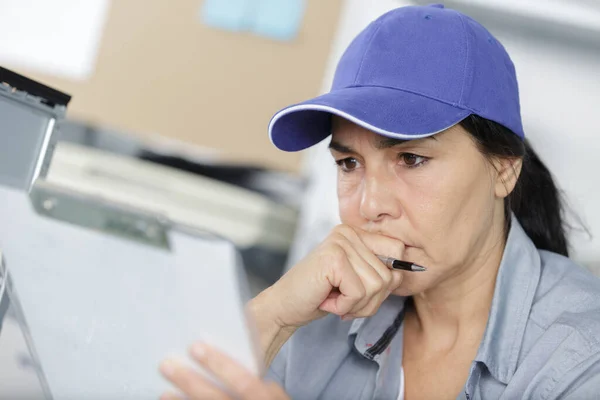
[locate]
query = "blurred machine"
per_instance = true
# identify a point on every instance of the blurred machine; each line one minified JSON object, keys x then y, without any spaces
{"x":101,"y":275}
{"x":261,"y":227}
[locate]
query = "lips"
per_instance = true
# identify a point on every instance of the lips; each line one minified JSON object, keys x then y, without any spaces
{"x":406,"y":244}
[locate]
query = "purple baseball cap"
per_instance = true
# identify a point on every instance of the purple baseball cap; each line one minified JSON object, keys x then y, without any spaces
{"x":412,"y":73}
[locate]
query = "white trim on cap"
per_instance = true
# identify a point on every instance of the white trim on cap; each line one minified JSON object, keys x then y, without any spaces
{"x":366,"y":125}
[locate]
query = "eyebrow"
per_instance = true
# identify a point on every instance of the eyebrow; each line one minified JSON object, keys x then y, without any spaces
{"x":382,"y":144}
{"x":340,"y":148}
{"x":386,"y":143}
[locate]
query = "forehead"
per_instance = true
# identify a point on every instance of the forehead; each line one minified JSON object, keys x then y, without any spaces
{"x":347,"y":132}
{"x":341,"y":126}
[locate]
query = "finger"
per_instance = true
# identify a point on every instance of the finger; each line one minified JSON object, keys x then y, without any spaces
{"x":372,"y":305}
{"x":350,"y":288}
{"x":376,"y":288}
{"x":379,"y":281}
{"x":385,"y":246}
{"x":171,"y":396}
{"x":370,"y":308}
{"x":370,"y":278}
{"x":241,"y":382}
{"x":381,"y":244}
{"x":191,"y":382}
{"x":397,"y":277}
{"x":368,"y":256}
{"x":367,"y":308}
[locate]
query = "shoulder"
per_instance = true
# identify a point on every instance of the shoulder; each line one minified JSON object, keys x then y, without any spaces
{"x":563,"y":331}
{"x":566,"y":292}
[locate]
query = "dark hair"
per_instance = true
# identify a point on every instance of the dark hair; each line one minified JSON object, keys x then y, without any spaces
{"x":536,"y":201}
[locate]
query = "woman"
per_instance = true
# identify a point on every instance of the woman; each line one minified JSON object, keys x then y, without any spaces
{"x":434,"y":169}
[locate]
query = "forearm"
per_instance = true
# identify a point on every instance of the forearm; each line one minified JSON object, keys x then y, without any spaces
{"x":272,"y":334}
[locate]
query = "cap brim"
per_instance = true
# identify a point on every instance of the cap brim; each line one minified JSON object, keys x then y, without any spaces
{"x":388,"y":112}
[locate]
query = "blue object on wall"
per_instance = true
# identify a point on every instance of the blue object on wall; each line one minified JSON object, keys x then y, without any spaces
{"x":277,"y":19}
{"x":233,"y":15}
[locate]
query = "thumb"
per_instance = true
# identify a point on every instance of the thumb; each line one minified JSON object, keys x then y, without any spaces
{"x":330,"y":303}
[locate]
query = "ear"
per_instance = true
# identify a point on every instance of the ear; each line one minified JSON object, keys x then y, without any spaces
{"x":508,"y":172}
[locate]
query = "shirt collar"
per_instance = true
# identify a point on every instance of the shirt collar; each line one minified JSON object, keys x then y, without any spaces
{"x":368,"y":332}
{"x":516,"y":284}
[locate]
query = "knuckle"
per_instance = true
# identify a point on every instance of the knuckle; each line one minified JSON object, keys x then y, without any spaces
{"x":335,"y":238}
{"x":387,"y":277}
{"x":371,"y":291}
{"x":372,"y":311}
{"x":364,"y":313}
{"x":338,"y":239}
{"x":361,"y":293}
{"x":369,"y":311}
{"x":334,"y":255}
{"x":381,"y":286}
{"x":376,"y":285}
{"x":344,"y":310}
{"x":397,"y":278}
{"x":344,"y":230}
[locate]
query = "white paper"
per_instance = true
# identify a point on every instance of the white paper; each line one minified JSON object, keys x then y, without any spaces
{"x":102,"y":312}
{"x":55,"y":37}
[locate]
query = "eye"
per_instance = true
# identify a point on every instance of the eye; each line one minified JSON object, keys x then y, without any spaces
{"x":412,"y":160}
{"x":348,"y":164}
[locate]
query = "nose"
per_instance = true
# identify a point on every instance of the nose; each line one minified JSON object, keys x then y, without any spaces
{"x":379,"y":199}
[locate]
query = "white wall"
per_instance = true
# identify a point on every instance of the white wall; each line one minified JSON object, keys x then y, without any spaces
{"x":560,"y":94}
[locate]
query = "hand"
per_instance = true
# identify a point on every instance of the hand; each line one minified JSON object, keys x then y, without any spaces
{"x":342,"y":276}
{"x":241,"y":383}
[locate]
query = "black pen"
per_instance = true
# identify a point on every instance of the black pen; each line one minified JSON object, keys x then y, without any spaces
{"x":402,"y":265}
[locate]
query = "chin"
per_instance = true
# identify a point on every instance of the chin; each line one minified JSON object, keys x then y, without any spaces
{"x":409,"y":290}
{"x":414,"y":283}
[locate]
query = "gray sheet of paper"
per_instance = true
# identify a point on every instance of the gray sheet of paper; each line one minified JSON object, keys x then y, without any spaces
{"x":102,"y":311}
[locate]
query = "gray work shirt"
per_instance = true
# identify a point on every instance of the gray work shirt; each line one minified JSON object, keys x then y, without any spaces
{"x":542,"y":339}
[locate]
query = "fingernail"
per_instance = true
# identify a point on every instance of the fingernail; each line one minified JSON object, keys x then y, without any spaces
{"x":347,"y":318}
{"x":167,"y":367}
{"x":170,"y":396}
{"x":199,"y":350}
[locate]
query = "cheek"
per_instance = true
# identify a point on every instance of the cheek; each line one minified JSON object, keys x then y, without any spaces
{"x":449,"y":204}
{"x":349,"y":196}
{"x":426,"y":193}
